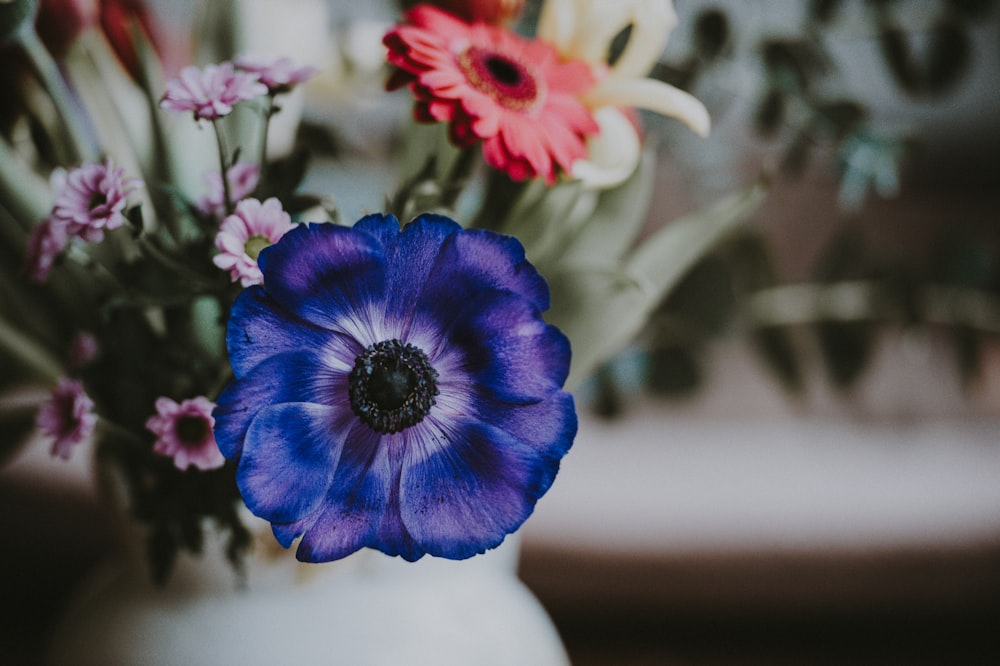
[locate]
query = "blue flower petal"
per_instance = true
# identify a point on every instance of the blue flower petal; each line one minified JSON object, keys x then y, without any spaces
{"x":331,"y":276}
{"x":412,"y":254}
{"x":355,"y":502}
{"x":289,"y":459}
{"x":291,"y":377}
{"x":259,"y":329}
{"x":509,"y":349}
{"x":548,"y":427}
{"x":474,"y":261}
{"x":466,"y":486}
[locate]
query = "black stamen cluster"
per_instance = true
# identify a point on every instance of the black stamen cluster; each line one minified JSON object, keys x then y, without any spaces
{"x":392,"y":386}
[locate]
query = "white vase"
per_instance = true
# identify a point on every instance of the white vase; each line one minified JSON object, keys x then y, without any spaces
{"x":368,"y":609}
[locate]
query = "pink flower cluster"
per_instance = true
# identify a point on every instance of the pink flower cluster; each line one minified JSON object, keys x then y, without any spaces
{"x":212,"y":92}
{"x":90,"y":200}
{"x":243,"y":178}
{"x":279,"y":75}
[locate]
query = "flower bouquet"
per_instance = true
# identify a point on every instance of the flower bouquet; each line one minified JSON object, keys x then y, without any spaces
{"x":400,"y":382}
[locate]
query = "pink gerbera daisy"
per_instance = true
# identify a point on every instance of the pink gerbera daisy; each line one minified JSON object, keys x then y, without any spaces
{"x":184,"y":432}
{"x":278,"y":74}
{"x":67,"y":416}
{"x":490,"y":84}
{"x":243,"y":178}
{"x":251,"y":228}
{"x":91,"y":199}
{"x":211,"y":92}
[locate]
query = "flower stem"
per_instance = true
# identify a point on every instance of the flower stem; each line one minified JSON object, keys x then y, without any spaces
{"x":458,"y":175}
{"x":24,"y":194}
{"x":30,"y":352}
{"x":62,"y":96}
{"x":220,"y":142}
{"x":167,"y":261}
{"x":269,"y":111}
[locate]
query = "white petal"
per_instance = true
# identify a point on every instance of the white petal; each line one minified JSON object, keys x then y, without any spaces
{"x":557,"y":24}
{"x":652,"y":22}
{"x":612,"y":154}
{"x":654,"y":96}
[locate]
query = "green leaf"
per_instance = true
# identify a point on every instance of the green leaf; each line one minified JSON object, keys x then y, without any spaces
{"x":770,"y":112}
{"x":846,"y":350}
{"x":15,"y":15}
{"x":602,"y":309}
{"x":711,"y":34}
{"x":617,"y":219}
{"x":896,"y":53}
{"x":948,"y":56}
{"x":775,"y":348}
{"x":673,"y":370}
{"x":544,"y":218}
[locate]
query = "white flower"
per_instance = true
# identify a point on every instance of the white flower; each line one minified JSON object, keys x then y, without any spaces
{"x":585,"y":29}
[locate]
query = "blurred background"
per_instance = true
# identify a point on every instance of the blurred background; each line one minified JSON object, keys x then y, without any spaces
{"x":798,"y":461}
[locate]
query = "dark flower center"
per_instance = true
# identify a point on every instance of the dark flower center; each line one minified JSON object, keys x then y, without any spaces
{"x":509,"y":82}
{"x":392,"y":386}
{"x":191,"y":430}
{"x":96,"y":199}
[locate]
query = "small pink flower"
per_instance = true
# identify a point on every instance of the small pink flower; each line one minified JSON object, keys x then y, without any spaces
{"x":184,"y":432}
{"x":211,"y":92}
{"x":47,"y":241}
{"x":245,"y":233}
{"x":91,"y":199}
{"x":67,"y":416}
{"x":83,"y":349}
{"x":243,"y":178}
{"x":278,"y":74}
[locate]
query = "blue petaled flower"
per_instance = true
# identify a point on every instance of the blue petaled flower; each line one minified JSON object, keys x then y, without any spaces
{"x":395,"y":389}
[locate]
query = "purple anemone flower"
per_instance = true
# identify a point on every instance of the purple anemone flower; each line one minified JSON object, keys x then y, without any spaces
{"x":395,"y":389}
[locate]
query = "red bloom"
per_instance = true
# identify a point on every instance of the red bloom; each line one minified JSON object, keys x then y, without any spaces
{"x":490,"y":84}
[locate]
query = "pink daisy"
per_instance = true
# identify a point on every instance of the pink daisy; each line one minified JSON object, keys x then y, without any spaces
{"x":184,"y":432}
{"x":67,"y":416}
{"x":91,"y":199}
{"x":211,"y":92}
{"x":46,"y":242}
{"x":251,"y":228}
{"x":278,"y":74}
{"x":490,"y":84}
{"x":243,"y":178}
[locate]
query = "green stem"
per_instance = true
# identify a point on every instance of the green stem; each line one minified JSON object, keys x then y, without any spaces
{"x":62,"y":97}
{"x":24,"y":194}
{"x":265,"y":128}
{"x":220,"y":142}
{"x":30,"y":352}
{"x":458,"y":176}
{"x":167,"y":261}
{"x":501,"y":195}
{"x":119,"y":431}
